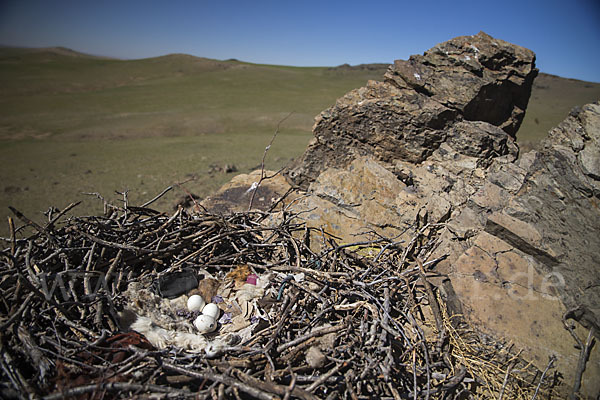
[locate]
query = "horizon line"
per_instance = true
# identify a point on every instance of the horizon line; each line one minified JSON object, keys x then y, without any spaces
{"x":83,"y":53}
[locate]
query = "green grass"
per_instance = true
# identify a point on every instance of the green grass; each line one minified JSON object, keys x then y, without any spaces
{"x":174,"y":95}
{"x":71,"y":123}
{"x":38,"y":174}
{"x":552,"y":98}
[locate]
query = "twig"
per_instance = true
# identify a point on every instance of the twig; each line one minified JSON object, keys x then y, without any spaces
{"x":348,"y":379}
{"x":435,"y":308}
{"x":197,"y":206}
{"x":115,"y":245}
{"x":316,"y":332}
{"x":324,"y":377}
{"x":551,"y":361}
{"x":292,"y":385}
{"x":17,"y":313}
{"x":158,"y":196}
{"x":221,"y":379}
{"x":583,"y":358}
{"x":39,"y":228}
{"x":271,"y":387}
{"x":13,"y":239}
{"x":262,"y":164}
{"x":116,"y":387}
{"x":60,"y":214}
{"x":506,"y":376}
{"x":414,"y":371}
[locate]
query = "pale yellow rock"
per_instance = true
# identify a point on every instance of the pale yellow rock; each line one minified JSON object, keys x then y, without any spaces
{"x":519,"y":305}
{"x":490,"y":196}
{"x":522,"y":229}
{"x":490,"y":243}
{"x":465,"y":224}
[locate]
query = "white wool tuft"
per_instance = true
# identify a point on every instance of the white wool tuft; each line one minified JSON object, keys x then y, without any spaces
{"x":190,"y":341}
{"x":159,"y":337}
{"x":162,"y":338}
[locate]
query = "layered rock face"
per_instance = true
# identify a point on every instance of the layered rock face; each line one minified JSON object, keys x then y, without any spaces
{"x":431,"y":151}
{"x":469,"y":80}
{"x":523,"y":259}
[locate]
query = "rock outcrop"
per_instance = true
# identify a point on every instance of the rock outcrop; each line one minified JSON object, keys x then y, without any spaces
{"x":407,"y":117}
{"x":524,"y":262}
{"x":547,"y":206}
{"x":431,"y":149}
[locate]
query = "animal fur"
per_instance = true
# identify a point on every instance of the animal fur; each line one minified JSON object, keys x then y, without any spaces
{"x":156,"y":318}
{"x":162,"y":338}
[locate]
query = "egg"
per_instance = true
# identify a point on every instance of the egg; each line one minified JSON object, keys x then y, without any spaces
{"x":205,"y":323}
{"x":211,"y":310}
{"x":195,"y":303}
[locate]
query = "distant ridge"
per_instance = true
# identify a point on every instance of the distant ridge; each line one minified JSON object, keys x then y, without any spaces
{"x":6,"y":51}
{"x":13,"y":51}
{"x":361,"y":67}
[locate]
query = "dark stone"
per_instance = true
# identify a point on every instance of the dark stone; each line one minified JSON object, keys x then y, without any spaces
{"x":423,"y":103}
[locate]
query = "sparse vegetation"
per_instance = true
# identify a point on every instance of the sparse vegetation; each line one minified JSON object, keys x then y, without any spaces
{"x":72,"y":124}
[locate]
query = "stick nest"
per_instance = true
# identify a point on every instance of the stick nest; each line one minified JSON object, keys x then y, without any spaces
{"x":390,"y":333}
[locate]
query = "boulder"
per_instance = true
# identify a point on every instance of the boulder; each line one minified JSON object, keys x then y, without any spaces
{"x":243,"y":192}
{"x":407,"y":117}
{"x":529,"y":264}
{"x":483,"y":78}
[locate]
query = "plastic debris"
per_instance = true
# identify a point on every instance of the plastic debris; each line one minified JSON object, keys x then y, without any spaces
{"x":285,"y":281}
{"x":299,"y":277}
{"x":177,"y":283}
{"x":251,"y":279}
{"x":252,"y":187}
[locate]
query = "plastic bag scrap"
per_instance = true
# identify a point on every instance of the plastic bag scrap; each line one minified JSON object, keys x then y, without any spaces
{"x":176,"y":284}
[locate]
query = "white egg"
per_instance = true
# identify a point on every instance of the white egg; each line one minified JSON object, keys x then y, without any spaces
{"x":212,"y":310}
{"x":205,"y":323}
{"x":195,"y":303}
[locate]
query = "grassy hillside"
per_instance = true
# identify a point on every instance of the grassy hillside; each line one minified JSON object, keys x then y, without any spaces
{"x":552,"y":97}
{"x":72,"y":123}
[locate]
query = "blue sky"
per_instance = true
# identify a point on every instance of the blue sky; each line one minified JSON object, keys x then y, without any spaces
{"x":564,"y":34}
